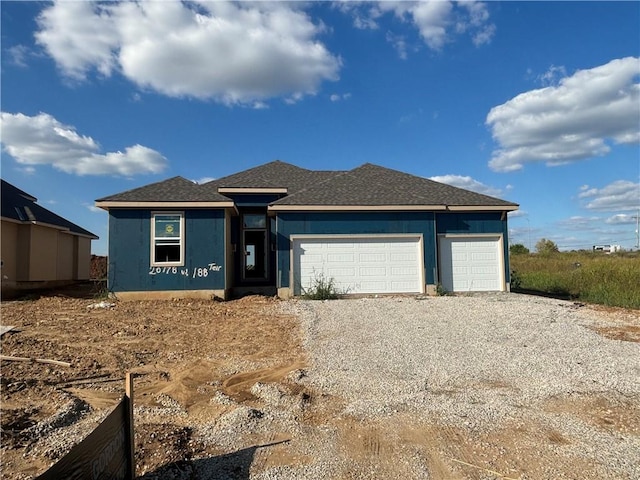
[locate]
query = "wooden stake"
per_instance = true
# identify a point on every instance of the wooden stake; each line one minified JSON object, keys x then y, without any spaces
{"x":37,"y":360}
{"x":128,"y":391}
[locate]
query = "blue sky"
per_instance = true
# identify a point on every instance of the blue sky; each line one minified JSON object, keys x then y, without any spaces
{"x":533,"y":102}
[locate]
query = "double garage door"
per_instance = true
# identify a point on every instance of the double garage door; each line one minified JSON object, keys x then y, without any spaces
{"x":395,"y":263}
{"x":471,"y":264}
{"x":360,"y":264}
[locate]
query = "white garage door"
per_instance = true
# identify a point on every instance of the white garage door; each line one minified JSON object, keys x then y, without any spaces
{"x":471,"y":264}
{"x":367,"y":264}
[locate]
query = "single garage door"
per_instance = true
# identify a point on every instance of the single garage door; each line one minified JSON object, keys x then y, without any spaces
{"x":360,"y":264}
{"x":471,"y":264}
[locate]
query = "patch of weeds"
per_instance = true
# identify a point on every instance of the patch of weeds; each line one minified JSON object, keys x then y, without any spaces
{"x":99,"y":290}
{"x":516,"y":281}
{"x":441,"y":291}
{"x":322,"y":288}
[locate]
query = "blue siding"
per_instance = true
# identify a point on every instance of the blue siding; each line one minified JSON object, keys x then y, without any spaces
{"x":469,"y":223}
{"x":354,"y":223}
{"x":253,"y":200}
{"x":130,"y":254}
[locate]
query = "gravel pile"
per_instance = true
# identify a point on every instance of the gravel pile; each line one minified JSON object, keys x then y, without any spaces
{"x":381,"y":352}
{"x":473,"y":362}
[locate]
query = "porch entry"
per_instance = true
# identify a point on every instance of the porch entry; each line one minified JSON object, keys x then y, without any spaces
{"x":255,"y":252}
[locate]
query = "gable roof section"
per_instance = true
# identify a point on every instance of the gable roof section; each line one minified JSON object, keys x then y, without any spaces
{"x":378,"y":187}
{"x":21,"y":207}
{"x":275,"y":175}
{"x":176,"y":191}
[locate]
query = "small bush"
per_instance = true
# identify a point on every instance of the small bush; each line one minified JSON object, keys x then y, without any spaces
{"x":322,"y":288}
{"x":516,"y":281}
{"x":546,"y":247}
{"x":518,"y":249}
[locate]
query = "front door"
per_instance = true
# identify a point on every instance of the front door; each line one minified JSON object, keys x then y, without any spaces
{"x":255,"y":261}
{"x":255,"y":247}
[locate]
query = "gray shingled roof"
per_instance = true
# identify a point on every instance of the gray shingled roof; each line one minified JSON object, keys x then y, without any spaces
{"x":372,"y":185}
{"x":367,"y":185}
{"x":276,"y":174}
{"x":176,"y":189}
{"x":22,"y":207}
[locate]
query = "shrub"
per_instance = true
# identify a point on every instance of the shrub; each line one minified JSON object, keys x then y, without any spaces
{"x":516,"y":281}
{"x":441,"y":291}
{"x":546,"y":247}
{"x":518,"y":249}
{"x":322,"y":288}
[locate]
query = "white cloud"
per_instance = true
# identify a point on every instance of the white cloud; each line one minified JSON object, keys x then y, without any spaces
{"x":336,"y":97}
{"x":618,"y":195}
{"x":93,"y":208}
{"x":234,"y":53}
{"x":553,"y":75}
{"x":202,"y":180}
{"x":517,"y":214}
{"x":43,"y":140}
{"x":571,"y":121}
{"x":18,"y":55}
{"x":467,"y":183}
{"x":621,"y":219}
{"x":399,"y":43}
{"x":578,"y":222}
{"x":432,"y":20}
{"x":438,"y":22}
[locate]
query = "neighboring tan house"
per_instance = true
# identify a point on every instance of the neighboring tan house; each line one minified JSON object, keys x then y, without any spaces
{"x":277,"y":227}
{"x":39,"y":248}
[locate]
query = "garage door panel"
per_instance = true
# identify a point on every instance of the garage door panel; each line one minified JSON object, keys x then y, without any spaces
{"x":312,"y":258}
{"x":372,"y":257}
{"x":372,"y":271}
{"x":340,"y":257}
{"x":409,"y":257}
{"x":341,"y":272}
{"x":367,"y":245}
{"x":401,"y":286}
{"x":360,"y":265}
{"x":370,"y":287}
{"x":471,"y":264}
{"x":407,"y":270}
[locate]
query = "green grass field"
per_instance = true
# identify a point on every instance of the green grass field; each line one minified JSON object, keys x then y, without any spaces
{"x":612,"y":280}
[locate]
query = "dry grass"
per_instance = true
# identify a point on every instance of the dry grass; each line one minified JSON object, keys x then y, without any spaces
{"x":612,"y":280}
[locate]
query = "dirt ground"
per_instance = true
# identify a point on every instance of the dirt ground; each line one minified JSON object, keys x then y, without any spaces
{"x":185,"y":352}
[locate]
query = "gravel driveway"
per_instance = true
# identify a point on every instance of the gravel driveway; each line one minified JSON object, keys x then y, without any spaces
{"x":482,"y":364}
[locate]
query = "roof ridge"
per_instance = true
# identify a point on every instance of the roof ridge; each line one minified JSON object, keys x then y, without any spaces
{"x":315,"y":185}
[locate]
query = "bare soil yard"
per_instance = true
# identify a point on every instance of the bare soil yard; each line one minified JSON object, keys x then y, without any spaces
{"x":220,"y":393}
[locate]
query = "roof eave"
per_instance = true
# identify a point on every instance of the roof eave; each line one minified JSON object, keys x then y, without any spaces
{"x":352,"y":208}
{"x":482,"y":208}
{"x":453,"y":208}
{"x":223,"y":190}
{"x":107,"y":204}
{"x":61,"y":228}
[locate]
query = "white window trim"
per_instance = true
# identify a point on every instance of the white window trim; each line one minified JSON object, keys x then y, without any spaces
{"x":153,"y":263}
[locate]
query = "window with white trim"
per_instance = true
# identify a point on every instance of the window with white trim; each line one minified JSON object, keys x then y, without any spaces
{"x":167,"y":238}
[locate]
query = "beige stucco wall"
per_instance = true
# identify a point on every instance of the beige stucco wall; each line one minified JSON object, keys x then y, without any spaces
{"x":8,"y":251}
{"x":23,"y":253}
{"x":44,"y":251}
{"x":34,"y":256}
{"x":83,"y":258}
{"x":66,"y":257}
